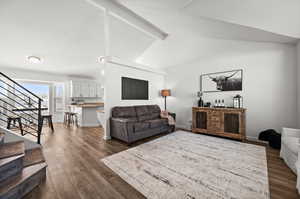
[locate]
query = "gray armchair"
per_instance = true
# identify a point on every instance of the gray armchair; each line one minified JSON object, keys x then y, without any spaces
{"x":132,"y":123}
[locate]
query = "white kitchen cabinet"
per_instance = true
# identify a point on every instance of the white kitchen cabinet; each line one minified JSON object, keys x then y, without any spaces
{"x":75,"y":89}
{"x":85,"y":90}
{"x":100,"y":91}
{"x":91,"y":89}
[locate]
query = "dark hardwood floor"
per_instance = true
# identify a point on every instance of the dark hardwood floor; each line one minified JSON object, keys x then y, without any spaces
{"x":76,"y":172}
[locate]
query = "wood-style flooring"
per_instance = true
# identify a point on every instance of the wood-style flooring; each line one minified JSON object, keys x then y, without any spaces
{"x":76,"y":172}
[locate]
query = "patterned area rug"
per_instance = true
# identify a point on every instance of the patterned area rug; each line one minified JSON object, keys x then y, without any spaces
{"x":186,"y":165}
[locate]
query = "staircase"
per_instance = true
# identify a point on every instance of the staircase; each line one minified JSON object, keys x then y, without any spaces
{"x":22,"y":164}
{"x":18,"y":102}
{"x":22,"y":168}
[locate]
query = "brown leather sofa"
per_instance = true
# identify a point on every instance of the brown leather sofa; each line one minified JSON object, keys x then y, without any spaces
{"x":132,"y":123}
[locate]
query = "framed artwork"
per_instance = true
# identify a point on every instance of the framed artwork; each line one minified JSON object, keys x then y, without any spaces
{"x":222,"y":81}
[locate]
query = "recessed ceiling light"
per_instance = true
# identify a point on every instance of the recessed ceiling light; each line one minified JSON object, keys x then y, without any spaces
{"x":34,"y":59}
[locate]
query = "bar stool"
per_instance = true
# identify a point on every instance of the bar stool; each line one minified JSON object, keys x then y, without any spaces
{"x":49,"y":119}
{"x":14,"y":120}
{"x":74,"y":118}
{"x":66,"y":117}
{"x":71,"y":118}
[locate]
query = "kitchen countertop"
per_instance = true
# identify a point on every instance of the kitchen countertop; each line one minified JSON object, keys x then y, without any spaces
{"x":89,"y":105}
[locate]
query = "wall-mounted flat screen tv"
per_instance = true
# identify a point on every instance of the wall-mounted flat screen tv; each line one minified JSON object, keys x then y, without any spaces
{"x":134,"y":89}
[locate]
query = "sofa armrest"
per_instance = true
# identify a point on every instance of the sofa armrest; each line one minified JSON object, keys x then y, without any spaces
{"x":121,"y":128}
{"x":289,"y":132}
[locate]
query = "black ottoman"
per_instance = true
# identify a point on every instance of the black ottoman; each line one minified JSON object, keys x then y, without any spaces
{"x":272,"y":137}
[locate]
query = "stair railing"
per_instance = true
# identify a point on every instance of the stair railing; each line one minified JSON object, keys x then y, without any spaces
{"x":18,"y":101}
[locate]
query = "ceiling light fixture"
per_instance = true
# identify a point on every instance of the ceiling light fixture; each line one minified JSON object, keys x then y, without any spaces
{"x":34,"y":59}
{"x":101,"y":59}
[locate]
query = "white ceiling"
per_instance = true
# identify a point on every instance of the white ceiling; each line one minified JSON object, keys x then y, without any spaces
{"x":278,"y":16}
{"x":69,"y":34}
{"x":190,"y":34}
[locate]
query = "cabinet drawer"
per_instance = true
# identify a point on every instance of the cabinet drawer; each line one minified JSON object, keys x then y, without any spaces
{"x":215,"y":119}
{"x":215,"y":124}
{"x":215,"y":113}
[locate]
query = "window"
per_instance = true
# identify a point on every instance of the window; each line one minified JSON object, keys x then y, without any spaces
{"x":58,"y":98}
{"x":39,"y":89}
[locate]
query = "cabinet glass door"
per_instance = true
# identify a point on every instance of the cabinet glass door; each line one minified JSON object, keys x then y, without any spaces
{"x":231,"y":123}
{"x":76,"y":89}
{"x":99,"y":91}
{"x":92,"y":89}
{"x":201,"y":120}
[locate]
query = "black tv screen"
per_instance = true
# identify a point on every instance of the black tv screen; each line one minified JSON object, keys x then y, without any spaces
{"x":134,"y":89}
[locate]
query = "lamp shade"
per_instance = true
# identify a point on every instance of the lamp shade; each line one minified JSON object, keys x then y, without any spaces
{"x":165,"y":92}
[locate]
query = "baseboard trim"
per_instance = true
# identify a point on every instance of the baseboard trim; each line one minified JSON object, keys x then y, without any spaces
{"x":182,"y":127}
{"x":106,"y":137}
{"x":248,"y":138}
{"x":255,"y":139}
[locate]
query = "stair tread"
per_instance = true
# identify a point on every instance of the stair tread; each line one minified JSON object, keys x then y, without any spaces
{"x":10,"y":167}
{"x":11,"y":149}
{"x":33,"y":156}
{"x":26,"y":173}
{"x":7,"y":160}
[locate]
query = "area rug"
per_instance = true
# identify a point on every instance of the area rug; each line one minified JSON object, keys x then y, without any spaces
{"x":186,"y":165}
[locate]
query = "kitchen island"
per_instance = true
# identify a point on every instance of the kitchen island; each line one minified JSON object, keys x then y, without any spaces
{"x":87,"y":113}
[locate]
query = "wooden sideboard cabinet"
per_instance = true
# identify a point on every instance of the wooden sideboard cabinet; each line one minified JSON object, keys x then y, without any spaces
{"x":225,"y":122}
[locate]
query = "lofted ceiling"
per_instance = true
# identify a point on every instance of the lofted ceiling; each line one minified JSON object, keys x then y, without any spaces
{"x":69,"y":34}
{"x":278,"y":16}
{"x":193,"y":27}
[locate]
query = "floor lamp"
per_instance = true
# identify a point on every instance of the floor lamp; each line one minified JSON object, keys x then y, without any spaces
{"x":165,"y":93}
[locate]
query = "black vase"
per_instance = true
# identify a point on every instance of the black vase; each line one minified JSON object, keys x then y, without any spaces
{"x":200,"y":102}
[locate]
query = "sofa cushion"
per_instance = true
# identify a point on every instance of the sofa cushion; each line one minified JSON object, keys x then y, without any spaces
{"x":142,"y":113}
{"x":124,"y":112}
{"x":141,"y":126}
{"x":124,"y":120}
{"x":157,"y":123}
{"x":147,"y":112}
{"x":154,"y":111}
{"x":292,"y":143}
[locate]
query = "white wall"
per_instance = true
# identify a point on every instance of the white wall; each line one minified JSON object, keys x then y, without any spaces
{"x":269,"y":86}
{"x":113,"y":74}
{"x":298,"y":82}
